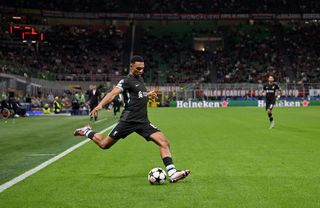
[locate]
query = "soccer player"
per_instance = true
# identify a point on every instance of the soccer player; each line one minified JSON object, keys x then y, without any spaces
{"x":116,"y":104}
{"x":134,"y":118}
{"x":94,"y":98}
{"x":270,"y":90}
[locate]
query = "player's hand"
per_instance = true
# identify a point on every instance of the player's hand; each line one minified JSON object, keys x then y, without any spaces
{"x":95,"y":110}
{"x":152,"y":95}
{"x":278,"y":97}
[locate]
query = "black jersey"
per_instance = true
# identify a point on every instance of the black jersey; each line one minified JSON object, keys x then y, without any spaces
{"x":135,"y":99}
{"x":270,"y":90}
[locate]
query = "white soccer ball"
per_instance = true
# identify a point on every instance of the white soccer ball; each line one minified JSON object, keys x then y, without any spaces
{"x":157,"y":176}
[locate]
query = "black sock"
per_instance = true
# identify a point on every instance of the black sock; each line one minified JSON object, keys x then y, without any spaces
{"x":171,"y":169}
{"x":270,"y":117}
{"x":90,"y":134}
{"x":167,"y":161}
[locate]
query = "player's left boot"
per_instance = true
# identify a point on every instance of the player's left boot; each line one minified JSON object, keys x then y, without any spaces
{"x":82,"y":131}
{"x":179,"y":175}
{"x":272,"y":125}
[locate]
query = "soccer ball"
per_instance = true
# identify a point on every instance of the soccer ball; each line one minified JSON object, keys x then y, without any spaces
{"x":157,"y":176}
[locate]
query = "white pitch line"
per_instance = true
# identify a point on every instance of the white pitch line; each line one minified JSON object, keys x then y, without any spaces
{"x":46,"y":163}
{"x":35,"y":155}
{"x":100,"y":120}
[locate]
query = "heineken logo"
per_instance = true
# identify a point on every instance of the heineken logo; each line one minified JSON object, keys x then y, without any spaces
{"x":201,"y":104}
{"x":285,"y":103}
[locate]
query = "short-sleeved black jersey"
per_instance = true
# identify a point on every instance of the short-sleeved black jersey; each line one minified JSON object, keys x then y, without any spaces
{"x":270,"y":91}
{"x":135,"y":99}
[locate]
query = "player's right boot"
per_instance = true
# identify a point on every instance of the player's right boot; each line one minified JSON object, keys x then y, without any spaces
{"x":179,"y":175}
{"x":82,"y":131}
{"x":272,"y":125}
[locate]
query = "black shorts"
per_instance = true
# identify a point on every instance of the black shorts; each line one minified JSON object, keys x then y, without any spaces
{"x":270,"y":104}
{"x":123,"y":129}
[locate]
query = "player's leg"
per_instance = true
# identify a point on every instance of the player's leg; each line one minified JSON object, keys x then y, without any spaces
{"x":175,"y":175}
{"x":121,"y":130}
{"x":160,"y":139}
{"x":96,"y":114}
{"x":91,"y":108}
{"x":102,"y":141}
{"x":150,"y":132}
{"x":269,"y":111}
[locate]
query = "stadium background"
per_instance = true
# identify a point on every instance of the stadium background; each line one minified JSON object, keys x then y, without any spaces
{"x":198,"y":54}
{"x":203,"y":52}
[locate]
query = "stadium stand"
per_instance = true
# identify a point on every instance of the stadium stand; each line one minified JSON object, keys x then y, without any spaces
{"x":172,"y":6}
{"x":289,"y":51}
{"x":177,"y":53}
{"x":69,"y":53}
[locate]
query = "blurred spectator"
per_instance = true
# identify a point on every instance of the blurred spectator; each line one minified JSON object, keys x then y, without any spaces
{"x":17,"y":107}
{"x":46,"y":109}
{"x":56,"y":105}
{"x":75,"y":106}
{"x":50,"y":97}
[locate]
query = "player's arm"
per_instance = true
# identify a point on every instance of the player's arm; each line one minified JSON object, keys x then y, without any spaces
{"x":107,"y":99}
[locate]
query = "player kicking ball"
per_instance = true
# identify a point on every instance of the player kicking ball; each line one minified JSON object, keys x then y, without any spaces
{"x":269,"y":91}
{"x":134,"y":118}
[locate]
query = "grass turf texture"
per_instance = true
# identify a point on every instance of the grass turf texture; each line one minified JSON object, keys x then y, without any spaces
{"x":236,"y":161}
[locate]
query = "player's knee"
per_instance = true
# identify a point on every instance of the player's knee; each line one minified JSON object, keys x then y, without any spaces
{"x":105,"y":146}
{"x":165,"y":144}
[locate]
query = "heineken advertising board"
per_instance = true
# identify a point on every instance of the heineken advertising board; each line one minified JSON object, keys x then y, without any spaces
{"x":253,"y":103}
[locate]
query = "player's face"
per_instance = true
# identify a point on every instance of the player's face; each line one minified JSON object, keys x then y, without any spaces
{"x":137,"y":69}
{"x":270,"y":79}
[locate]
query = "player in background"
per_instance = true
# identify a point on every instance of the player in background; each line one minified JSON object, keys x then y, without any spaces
{"x":94,"y":97}
{"x":134,"y":118}
{"x":116,"y":104}
{"x":272,"y":93}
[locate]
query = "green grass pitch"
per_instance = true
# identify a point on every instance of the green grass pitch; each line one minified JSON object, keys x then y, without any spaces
{"x":235,"y":161}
